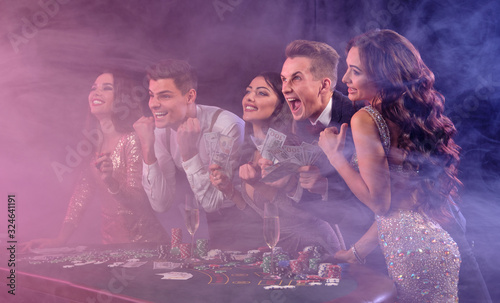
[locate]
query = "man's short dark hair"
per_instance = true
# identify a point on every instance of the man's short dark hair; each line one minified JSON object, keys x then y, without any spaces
{"x":180,"y":71}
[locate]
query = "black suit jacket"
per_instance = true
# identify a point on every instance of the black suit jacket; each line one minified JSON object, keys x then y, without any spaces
{"x":341,"y":206}
{"x":342,"y":112}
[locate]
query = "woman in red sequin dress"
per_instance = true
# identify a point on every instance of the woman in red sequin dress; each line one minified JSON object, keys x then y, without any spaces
{"x":112,"y":176}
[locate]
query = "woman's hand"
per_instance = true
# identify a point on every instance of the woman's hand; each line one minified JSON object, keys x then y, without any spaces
{"x":265,"y":163}
{"x":104,"y":166}
{"x":249,"y":173}
{"x":332,"y":142}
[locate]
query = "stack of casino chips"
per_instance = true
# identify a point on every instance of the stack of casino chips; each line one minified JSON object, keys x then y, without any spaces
{"x":310,"y":258}
{"x":283,"y":269}
{"x":279,"y":255}
{"x":176,"y":239}
{"x":334,"y":271}
{"x":266,"y":263}
{"x":314,"y":264}
{"x":164,"y":251}
{"x":185,"y":249}
{"x":252,"y":256}
{"x":329,"y":271}
{"x":226,"y":257}
{"x":296,"y":266}
{"x":201,"y":247}
{"x":303,"y":258}
{"x":314,"y":251}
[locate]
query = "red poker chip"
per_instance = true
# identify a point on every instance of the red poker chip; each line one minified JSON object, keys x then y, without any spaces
{"x":264,"y":249}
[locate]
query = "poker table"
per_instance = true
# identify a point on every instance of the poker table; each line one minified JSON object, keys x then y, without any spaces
{"x":131,"y":274}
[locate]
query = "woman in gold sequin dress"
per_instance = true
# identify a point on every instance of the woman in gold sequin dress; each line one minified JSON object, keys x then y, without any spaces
{"x":113,"y":175}
{"x":405,"y":165}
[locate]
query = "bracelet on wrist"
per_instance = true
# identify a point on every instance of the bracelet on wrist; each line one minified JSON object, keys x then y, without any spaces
{"x":355,"y":252}
{"x":114,"y":192}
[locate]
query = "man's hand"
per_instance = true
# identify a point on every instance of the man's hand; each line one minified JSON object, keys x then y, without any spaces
{"x":144,"y":128}
{"x":188,"y":134}
{"x":310,"y":178}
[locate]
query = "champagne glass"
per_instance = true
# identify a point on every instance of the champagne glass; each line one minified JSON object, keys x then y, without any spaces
{"x":192,"y":218}
{"x":271,"y":233}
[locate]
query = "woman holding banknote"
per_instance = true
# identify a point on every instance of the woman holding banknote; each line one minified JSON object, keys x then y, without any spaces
{"x":265,"y":111}
{"x":112,"y":176}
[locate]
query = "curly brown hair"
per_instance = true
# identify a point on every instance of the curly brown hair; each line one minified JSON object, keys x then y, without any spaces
{"x":406,"y":87}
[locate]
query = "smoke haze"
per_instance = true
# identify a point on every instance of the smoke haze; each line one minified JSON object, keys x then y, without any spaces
{"x":51,"y":52}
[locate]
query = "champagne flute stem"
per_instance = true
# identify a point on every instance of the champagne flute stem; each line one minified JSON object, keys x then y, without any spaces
{"x":192,"y":246}
{"x":272,"y":261}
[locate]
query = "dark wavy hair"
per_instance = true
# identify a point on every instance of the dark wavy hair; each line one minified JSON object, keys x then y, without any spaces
{"x":129,"y":101}
{"x":406,"y":87}
{"x":281,"y":119}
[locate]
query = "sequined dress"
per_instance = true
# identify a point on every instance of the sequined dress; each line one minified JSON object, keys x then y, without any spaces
{"x":421,"y":257}
{"x":127,"y":215}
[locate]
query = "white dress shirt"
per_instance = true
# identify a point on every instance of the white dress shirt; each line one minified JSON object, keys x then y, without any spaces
{"x":159,"y":178}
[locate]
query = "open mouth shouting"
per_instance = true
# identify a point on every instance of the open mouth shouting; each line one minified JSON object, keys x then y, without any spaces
{"x":295,"y":104}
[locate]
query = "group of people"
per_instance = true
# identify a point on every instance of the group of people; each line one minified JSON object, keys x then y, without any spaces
{"x":384,"y":181}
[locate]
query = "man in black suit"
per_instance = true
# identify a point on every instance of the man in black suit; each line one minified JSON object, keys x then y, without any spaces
{"x":309,"y":77}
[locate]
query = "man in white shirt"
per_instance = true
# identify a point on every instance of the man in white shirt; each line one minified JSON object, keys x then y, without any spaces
{"x":172,"y":140}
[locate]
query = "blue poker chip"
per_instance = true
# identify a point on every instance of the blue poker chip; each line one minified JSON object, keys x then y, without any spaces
{"x":284,"y":263}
